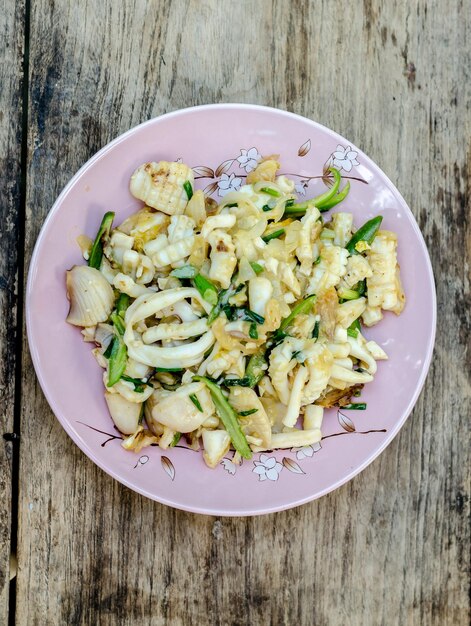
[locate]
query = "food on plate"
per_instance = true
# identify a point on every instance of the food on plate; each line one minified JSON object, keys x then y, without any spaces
{"x":232,"y":325}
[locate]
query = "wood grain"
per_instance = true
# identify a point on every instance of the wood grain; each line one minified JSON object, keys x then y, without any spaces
{"x":11,"y":56}
{"x":390,"y":547}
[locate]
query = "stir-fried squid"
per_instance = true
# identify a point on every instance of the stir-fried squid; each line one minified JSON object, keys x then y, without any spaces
{"x":232,"y":327}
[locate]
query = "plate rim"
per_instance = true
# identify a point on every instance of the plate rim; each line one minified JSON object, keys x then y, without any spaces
{"x":65,"y":423}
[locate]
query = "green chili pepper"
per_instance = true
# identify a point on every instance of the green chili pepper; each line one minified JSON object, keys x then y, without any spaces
{"x":274,"y":235}
{"x":354,"y":329}
{"x":188,"y":189}
{"x":329,"y":204}
{"x":117,"y":361}
{"x":315,"y":330}
{"x":257,"y":268}
{"x":228,"y":417}
{"x":196,"y":402}
{"x":187,"y":271}
{"x":122,"y":304}
{"x":253,"y":332}
{"x":255,"y":370}
{"x":118,"y":322}
{"x":366,"y":233}
{"x":175,"y":440}
{"x":355,"y":406}
{"x":207,"y":289}
{"x":271,"y":192}
{"x":96,"y":253}
{"x":248,"y":412}
{"x":322,"y":202}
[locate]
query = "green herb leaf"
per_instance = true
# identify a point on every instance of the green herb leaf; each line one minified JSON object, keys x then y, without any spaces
{"x":188,"y":189}
{"x":248,"y":412}
{"x":273,"y":235}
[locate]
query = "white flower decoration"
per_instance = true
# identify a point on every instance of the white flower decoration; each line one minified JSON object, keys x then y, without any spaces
{"x":248,"y":159}
{"x":267,"y":468}
{"x":345,"y":158}
{"x":229,"y":466}
{"x":300,"y":188}
{"x":227,"y":183}
{"x":304,"y":452}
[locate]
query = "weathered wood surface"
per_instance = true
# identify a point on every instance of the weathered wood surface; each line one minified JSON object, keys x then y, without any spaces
{"x":391,"y":547}
{"x":11,"y":56}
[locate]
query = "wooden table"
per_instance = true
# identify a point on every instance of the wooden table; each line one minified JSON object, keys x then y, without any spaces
{"x":391,"y":546}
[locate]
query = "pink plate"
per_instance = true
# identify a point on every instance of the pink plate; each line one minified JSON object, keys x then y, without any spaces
{"x":222,"y":143}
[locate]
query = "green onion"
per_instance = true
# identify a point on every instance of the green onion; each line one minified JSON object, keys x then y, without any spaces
{"x":354,"y":329}
{"x":303,"y":307}
{"x":188,"y":188}
{"x":251,"y":316}
{"x":117,"y":361}
{"x":196,"y":402}
{"x":118,"y":322}
{"x":318,"y":260}
{"x":236,"y":382}
{"x":138,"y":383}
{"x":257,"y":268}
{"x":253,"y":332}
{"x":366,"y":233}
{"x":207,"y":289}
{"x":348,"y":294}
{"x":230,"y":206}
{"x":355,"y":406}
{"x":175,"y":440}
{"x":248,"y":412}
{"x":274,"y":235}
{"x":228,"y":417}
{"x":361,"y":287}
{"x":271,"y":192}
{"x":289,"y":203}
{"x":168,"y":369}
{"x":267,"y":207}
{"x":315,"y":330}
{"x":122,"y":304}
{"x":96,"y":253}
{"x":187,"y":271}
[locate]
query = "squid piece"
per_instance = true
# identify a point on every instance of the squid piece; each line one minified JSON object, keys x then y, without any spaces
{"x":91,"y":297}
{"x":161,"y":186}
